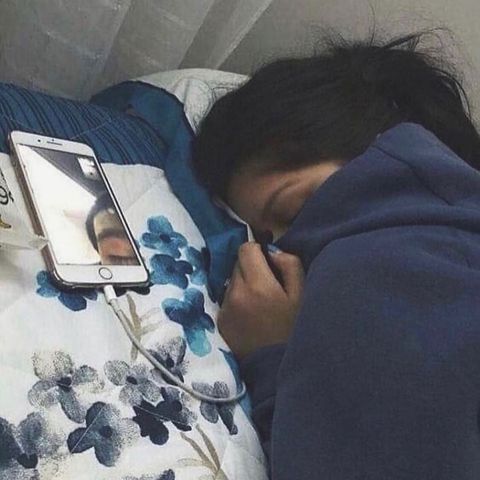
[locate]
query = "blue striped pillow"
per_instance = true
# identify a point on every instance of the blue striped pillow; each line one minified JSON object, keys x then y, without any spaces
{"x":116,"y":137}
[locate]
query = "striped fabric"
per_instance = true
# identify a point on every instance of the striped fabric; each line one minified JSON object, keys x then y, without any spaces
{"x":115,"y":136}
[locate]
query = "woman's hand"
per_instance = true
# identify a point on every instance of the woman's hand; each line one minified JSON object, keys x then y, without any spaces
{"x":257,"y":311}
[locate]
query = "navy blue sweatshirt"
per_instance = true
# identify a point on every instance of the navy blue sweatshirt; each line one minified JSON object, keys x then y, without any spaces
{"x":381,"y":377}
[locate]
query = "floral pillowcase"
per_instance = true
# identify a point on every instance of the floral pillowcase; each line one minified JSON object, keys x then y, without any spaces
{"x":77,"y":400}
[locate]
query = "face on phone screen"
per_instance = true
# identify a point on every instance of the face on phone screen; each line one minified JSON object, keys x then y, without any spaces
{"x":78,"y":214}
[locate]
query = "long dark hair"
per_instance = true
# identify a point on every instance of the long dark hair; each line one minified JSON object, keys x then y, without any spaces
{"x":332,"y":105}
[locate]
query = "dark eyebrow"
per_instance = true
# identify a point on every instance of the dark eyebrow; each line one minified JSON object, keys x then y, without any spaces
{"x":267,"y":209}
{"x":111,"y":232}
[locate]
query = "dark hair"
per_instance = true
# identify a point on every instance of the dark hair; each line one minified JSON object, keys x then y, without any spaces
{"x":332,"y":105}
{"x":101,"y":203}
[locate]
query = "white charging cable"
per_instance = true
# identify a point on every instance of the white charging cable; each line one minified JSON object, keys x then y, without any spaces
{"x":112,"y":300}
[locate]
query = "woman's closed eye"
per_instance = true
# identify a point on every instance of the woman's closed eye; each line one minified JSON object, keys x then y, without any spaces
{"x":285,"y":210}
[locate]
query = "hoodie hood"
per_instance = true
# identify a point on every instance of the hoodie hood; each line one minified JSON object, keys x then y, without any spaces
{"x":406,"y":177}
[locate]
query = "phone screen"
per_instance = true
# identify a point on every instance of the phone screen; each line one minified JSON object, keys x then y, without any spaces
{"x":77,"y":211}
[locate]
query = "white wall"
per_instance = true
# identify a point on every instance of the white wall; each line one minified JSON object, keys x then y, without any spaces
{"x":291,"y":26}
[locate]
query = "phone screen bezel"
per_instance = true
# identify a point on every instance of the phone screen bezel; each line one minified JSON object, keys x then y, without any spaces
{"x":75,"y":275}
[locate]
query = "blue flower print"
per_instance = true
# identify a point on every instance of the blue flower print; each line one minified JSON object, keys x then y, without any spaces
{"x":135,"y":381}
{"x":37,"y":439}
{"x":162,"y":237}
{"x":75,"y":300}
{"x":172,"y":356}
{"x":61,"y":383}
{"x":106,"y":432}
{"x":167,"y":270}
{"x":152,"y":418}
{"x":190,"y":314}
{"x":9,"y":447}
{"x":21,"y":448}
{"x":199,"y":262}
{"x":213,"y":411}
{"x":166,"y":475}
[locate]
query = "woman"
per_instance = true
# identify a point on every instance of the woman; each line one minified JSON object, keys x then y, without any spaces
{"x":359,"y":160}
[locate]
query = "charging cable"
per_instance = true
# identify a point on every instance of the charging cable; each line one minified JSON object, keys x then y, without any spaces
{"x":112,"y":300}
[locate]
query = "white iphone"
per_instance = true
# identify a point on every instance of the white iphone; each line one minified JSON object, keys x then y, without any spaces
{"x":73,"y":205}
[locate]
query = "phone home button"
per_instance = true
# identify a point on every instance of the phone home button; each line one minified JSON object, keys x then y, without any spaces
{"x":105,"y":273}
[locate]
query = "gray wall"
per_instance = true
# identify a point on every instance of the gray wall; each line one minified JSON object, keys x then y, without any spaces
{"x":76,"y":47}
{"x":291,"y":26}
{"x":58,"y":46}
{"x":154,"y":36}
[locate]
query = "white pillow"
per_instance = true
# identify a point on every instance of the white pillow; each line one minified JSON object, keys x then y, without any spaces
{"x":196,"y":88}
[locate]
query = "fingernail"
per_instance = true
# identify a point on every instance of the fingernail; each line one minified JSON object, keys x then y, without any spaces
{"x":273,"y":249}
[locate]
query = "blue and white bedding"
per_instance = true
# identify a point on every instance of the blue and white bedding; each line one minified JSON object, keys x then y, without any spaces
{"x":76,"y":400}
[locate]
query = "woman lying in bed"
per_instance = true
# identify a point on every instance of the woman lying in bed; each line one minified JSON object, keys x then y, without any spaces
{"x":362,"y":161}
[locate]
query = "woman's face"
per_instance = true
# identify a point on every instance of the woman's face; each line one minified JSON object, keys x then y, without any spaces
{"x":271,"y":200}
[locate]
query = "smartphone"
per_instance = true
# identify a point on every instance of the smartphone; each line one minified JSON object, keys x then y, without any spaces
{"x":72,"y":204}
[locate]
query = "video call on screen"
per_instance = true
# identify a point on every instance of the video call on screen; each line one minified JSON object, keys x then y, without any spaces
{"x":80,"y":219}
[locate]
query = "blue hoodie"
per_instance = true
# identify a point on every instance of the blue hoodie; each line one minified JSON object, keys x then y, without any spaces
{"x":381,"y":377}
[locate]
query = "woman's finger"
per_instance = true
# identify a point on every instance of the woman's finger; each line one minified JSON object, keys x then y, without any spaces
{"x":235,"y":280}
{"x":291,"y":268}
{"x":253,"y":265}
